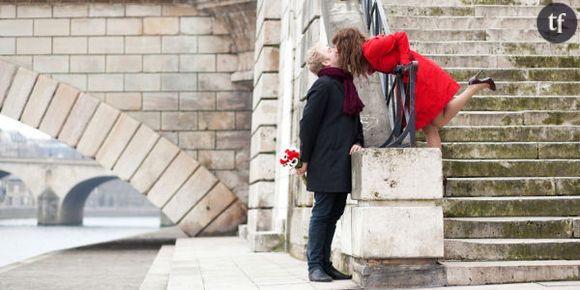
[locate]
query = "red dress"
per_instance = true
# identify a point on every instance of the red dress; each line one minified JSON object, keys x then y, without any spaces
{"x":434,"y":88}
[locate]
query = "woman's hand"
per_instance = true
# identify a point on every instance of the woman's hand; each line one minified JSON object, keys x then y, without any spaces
{"x":302,"y":170}
{"x":355,"y":148}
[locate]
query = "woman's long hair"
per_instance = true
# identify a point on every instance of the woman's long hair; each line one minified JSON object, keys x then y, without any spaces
{"x":348,"y":42}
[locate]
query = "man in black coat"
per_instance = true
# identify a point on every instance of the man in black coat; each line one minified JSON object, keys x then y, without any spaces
{"x":328,"y":137}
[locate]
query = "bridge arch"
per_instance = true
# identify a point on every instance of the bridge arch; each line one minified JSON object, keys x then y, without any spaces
{"x":72,"y":208}
{"x":189,"y":194}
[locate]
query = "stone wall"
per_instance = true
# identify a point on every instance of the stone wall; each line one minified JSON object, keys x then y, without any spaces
{"x":167,"y":65}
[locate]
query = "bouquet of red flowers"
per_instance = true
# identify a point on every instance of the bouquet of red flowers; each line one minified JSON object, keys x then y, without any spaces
{"x":291,"y":158}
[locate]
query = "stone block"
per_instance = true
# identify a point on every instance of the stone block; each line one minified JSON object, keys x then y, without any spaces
{"x":266,"y":88}
{"x":157,"y":161}
{"x":51,"y":64}
{"x":265,"y":114}
{"x":78,"y":81}
{"x":34,"y":11}
{"x":259,"y":220}
{"x":264,"y":140}
{"x":88,"y":26}
{"x":78,"y":119}
{"x":161,"y":25}
{"x":261,"y":195}
{"x":235,"y":180}
{"x":160,"y":63}
{"x":197,"y":63}
{"x":124,"y":101}
{"x":150,"y":119}
{"x":178,"y":121}
{"x":138,"y":148}
{"x":227,"y":62}
{"x":180,"y":169}
{"x":51,"y":27}
{"x":197,"y":101}
{"x":243,"y":159}
{"x":302,"y":197}
{"x":7,"y":72}
{"x":262,"y":168}
{"x":236,"y":100}
{"x":265,"y":241}
{"x":160,"y":101}
{"x":233,"y":140}
{"x":143,"y":82}
{"x":69,"y":45}
{"x":16,"y":27}
{"x":179,"y":10}
{"x":7,"y":46}
{"x":179,"y":44}
{"x":142,"y":44}
{"x":399,"y":274}
{"x":218,"y":199}
{"x":87,"y":64}
{"x":390,"y":174}
{"x":97,"y":130}
{"x":299,"y":223}
{"x":39,"y":100}
{"x":58,"y":110}
{"x":22,"y":61}
{"x":268,"y":60}
{"x":106,"y":45}
{"x":215,"y":82}
{"x":227,"y":222}
{"x":118,"y":138}
{"x":310,"y":11}
{"x":197,"y":140}
{"x":215,"y":44}
{"x":106,"y":10}
{"x":217,"y":160}
{"x":20,"y":90}
{"x":179,"y":82}
{"x":7,"y":11}
{"x":196,"y":187}
{"x":33,"y":45}
{"x":196,"y":25}
{"x":243,"y":120}
{"x":124,"y":63}
{"x":380,"y":232}
{"x":105,"y":83}
{"x":217,"y":120}
{"x":69,"y":11}
{"x":139,"y":10}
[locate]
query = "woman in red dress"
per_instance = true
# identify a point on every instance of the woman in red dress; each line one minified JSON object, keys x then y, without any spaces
{"x":435,"y":104}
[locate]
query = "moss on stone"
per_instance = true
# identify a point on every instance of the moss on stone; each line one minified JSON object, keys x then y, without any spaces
{"x":545,"y":61}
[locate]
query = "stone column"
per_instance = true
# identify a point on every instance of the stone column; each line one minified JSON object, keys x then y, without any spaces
{"x":395,"y":232}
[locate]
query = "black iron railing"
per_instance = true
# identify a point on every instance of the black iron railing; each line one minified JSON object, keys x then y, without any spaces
{"x":400,"y":98}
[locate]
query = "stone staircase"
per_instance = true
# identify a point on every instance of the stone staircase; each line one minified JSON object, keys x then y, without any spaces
{"x":512,"y":157}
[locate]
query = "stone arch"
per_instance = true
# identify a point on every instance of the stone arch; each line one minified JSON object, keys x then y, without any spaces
{"x":189,"y":194}
{"x":72,"y":208}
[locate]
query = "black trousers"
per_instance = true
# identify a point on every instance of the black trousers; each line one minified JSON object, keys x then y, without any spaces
{"x":327,"y":210}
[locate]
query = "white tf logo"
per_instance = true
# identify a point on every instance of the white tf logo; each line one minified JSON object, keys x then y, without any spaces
{"x":560,"y":20}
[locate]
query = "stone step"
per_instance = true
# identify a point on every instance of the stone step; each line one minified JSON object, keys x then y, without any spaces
{"x":185,"y":268}
{"x":502,"y":62}
{"x":498,"y":272}
{"x":511,"y":206}
{"x":512,"y":186}
{"x":498,"y":118}
{"x":489,"y":11}
{"x":520,"y":103}
{"x":466,"y":3}
{"x":546,"y":133}
{"x":478,"y":34}
{"x":512,"y":249}
{"x":511,"y":168}
{"x":495,"y":48}
{"x":512,"y":228}
{"x":158,"y":274}
{"x":518,"y":74}
{"x":445,"y":35}
{"x":526,"y":88}
{"x":511,"y":150}
{"x":405,"y":22}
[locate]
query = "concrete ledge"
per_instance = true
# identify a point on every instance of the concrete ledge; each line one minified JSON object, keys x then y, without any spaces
{"x":266,"y":241}
{"x":398,"y":274}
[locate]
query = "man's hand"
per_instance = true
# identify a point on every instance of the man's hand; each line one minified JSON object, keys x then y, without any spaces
{"x":355,"y":148}
{"x":302,"y":170}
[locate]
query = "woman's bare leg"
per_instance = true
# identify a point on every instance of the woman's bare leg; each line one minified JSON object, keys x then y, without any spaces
{"x":458,"y":102}
{"x":432,"y":134}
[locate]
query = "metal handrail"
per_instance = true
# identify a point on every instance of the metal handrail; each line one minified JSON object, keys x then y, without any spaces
{"x":399,"y":97}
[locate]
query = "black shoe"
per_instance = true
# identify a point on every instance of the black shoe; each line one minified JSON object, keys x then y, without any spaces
{"x":317,"y":275}
{"x":337,"y":275}
{"x":474,"y":80}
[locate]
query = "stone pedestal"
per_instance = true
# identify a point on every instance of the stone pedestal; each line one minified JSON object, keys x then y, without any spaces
{"x":395,"y":232}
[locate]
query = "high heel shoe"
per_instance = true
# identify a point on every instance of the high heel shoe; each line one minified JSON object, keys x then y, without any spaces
{"x":474,"y":80}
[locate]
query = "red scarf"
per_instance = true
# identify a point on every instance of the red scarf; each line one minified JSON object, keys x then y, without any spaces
{"x":352,"y":104}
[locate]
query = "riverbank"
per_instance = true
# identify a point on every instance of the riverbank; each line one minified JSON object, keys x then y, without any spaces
{"x":120,"y":264}
{"x":31,"y":212}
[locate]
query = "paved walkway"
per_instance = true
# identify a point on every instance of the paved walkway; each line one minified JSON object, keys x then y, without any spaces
{"x":227,"y":263}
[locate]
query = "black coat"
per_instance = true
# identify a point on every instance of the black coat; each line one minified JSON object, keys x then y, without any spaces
{"x":327,"y":135}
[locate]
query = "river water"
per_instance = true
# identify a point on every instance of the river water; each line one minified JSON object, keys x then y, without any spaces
{"x":22,"y":238}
